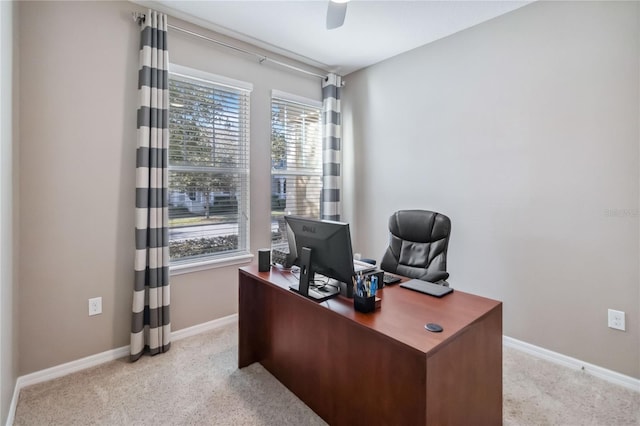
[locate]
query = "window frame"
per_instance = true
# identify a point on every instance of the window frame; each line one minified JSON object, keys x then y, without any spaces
{"x":242,"y":255}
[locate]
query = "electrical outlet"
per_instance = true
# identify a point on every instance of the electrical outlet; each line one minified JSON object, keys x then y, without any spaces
{"x":95,"y":306}
{"x":616,"y":320}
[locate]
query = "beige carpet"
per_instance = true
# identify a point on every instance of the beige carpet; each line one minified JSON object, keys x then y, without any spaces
{"x":198,"y":383}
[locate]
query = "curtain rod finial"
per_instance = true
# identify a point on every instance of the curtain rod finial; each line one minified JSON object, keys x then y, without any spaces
{"x":138,"y":17}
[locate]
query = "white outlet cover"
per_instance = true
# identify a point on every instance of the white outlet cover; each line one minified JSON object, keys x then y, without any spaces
{"x":95,"y":306}
{"x":616,"y":319}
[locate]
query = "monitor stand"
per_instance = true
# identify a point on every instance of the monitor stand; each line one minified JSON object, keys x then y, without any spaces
{"x":305,"y":285}
{"x":306,"y":275}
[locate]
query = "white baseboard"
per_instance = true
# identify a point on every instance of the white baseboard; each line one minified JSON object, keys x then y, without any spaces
{"x":201,"y":328}
{"x":12,"y":407}
{"x":101,"y":358}
{"x":573,"y":363}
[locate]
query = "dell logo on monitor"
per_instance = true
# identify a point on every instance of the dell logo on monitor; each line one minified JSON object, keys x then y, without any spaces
{"x":310,"y":229}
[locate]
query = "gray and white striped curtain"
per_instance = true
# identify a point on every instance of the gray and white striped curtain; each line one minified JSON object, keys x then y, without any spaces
{"x":151,"y":324}
{"x":331,"y":147}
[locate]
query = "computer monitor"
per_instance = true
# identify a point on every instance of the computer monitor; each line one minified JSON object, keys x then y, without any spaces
{"x":323,"y":247}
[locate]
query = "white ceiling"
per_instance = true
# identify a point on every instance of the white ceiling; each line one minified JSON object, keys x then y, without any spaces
{"x":372,"y":30}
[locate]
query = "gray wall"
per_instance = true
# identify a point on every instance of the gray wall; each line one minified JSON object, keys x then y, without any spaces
{"x":8,"y":347}
{"x":525,"y":131}
{"x":78,"y":94}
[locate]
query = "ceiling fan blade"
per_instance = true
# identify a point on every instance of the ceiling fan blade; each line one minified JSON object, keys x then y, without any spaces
{"x":335,"y":14}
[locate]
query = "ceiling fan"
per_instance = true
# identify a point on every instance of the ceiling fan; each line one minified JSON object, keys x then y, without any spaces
{"x":336,"y":12}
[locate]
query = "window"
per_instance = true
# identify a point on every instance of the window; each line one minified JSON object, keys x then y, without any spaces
{"x":208,"y":166}
{"x":296,"y":161}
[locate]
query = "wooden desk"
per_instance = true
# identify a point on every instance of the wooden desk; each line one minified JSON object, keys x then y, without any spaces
{"x":378,"y":368}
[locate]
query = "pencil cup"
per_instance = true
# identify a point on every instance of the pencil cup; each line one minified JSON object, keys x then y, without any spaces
{"x":364,"y":304}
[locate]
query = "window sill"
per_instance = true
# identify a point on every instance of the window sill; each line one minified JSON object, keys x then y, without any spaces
{"x":204,"y":265}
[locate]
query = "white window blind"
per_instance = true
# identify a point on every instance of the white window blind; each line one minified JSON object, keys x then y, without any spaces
{"x":296,"y":162}
{"x":208,"y":167}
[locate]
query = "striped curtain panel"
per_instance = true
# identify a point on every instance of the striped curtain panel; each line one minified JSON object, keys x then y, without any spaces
{"x":151,"y":325}
{"x":331,"y":147}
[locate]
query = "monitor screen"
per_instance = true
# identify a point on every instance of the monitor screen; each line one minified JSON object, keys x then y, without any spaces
{"x":327,"y":243}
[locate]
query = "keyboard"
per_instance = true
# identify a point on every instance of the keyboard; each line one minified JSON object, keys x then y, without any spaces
{"x":360,"y":266}
{"x":426,"y":287}
{"x":390,"y":279}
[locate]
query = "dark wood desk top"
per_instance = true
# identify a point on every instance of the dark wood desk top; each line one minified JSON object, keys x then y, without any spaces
{"x":403,"y":313}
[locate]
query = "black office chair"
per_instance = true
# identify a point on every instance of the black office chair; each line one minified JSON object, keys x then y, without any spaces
{"x":418,"y":245}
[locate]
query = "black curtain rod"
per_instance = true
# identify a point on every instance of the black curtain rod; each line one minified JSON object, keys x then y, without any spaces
{"x":139,"y":18}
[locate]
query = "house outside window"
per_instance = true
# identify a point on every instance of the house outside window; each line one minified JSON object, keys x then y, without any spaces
{"x":296,"y":161}
{"x":208,"y":166}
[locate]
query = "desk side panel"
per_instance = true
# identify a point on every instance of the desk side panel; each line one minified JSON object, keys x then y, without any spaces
{"x":253,"y":314}
{"x":464,"y":378}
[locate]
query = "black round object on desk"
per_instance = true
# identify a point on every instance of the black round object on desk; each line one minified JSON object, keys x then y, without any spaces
{"x":436,"y":328}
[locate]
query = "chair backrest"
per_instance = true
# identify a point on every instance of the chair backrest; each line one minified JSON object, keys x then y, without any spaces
{"x":418,"y":245}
